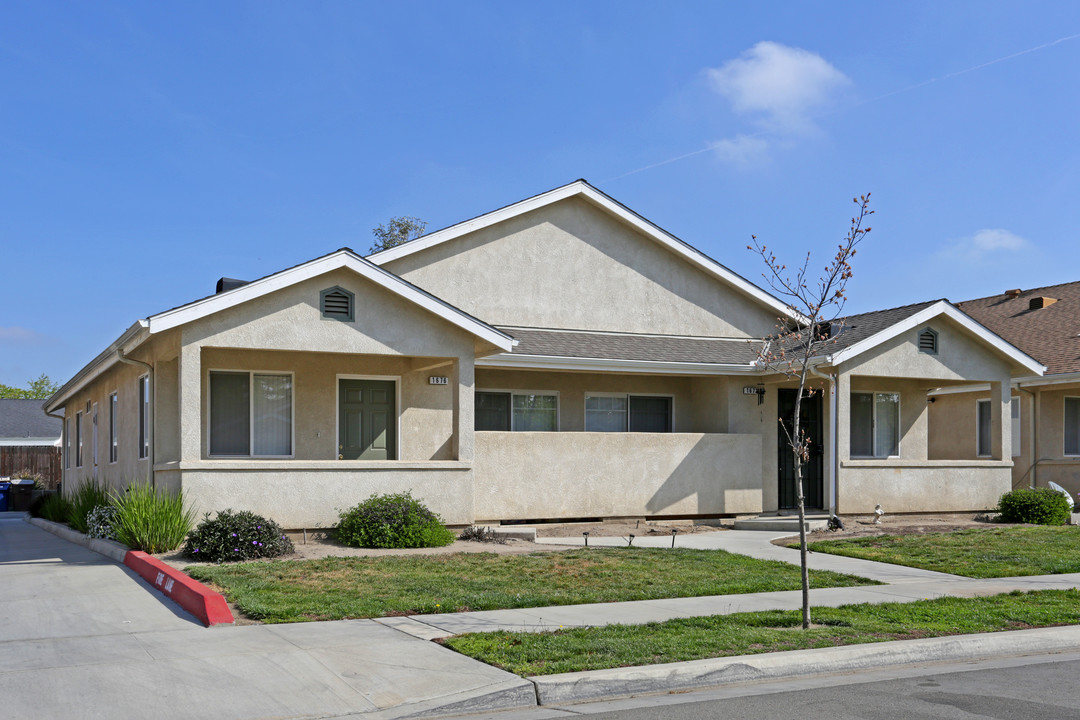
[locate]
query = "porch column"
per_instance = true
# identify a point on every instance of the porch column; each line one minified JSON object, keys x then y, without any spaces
{"x":1001,"y":419}
{"x":464,"y":424}
{"x":843,"y":432}
{"x":190,"y":402}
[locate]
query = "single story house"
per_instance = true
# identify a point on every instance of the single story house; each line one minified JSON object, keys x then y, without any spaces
{"x":29,"y":441}
{"x":1045,"y":409}
{"x":561,"y":357}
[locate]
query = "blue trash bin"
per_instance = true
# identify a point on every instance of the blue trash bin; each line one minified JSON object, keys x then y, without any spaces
{"x":4,"y":489}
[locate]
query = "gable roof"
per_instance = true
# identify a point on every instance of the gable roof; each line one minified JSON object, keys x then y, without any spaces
{"x":625,"y":352}
{"x":582,"y":189}
{"x":26,"y":419}
{"x":342,"y":258}
{"x":869,"y":330}
{"x":1050,"y":334}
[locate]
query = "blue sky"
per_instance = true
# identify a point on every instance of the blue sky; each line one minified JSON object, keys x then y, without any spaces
{"x":150,"y":148}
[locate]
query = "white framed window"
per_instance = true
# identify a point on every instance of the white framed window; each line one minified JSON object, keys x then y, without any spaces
{"x":983,"y":425}
{"x":620,"y":412}
{"x":67,"y":442}
{"x":1072,"y":426}
{"x":875,"y":424}
{"x":112,"y":428}
{"x":144,"y":416}
{"x":1017,"y":428}
{"x":516,"y":410}
{"x":78,"y":439}
{"x":251,"y":413}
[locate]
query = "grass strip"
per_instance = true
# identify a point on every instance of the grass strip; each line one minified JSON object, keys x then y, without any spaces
{"x":612,"y":646}
{"x":335,"y":588}
{"x":1009,"y":551}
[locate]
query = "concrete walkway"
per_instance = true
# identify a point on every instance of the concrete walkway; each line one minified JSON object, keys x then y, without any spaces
{"x":115,"y":648}
{"x":84,"y":637}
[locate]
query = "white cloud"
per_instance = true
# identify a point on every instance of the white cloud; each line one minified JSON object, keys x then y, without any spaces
{"x":782,"y":85}
{"x":986,"y":243}
{"x":743,"y":150}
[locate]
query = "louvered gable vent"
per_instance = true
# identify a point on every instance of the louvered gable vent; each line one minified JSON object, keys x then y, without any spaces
{"x":337,"y":303}
{"x":928,"y":341}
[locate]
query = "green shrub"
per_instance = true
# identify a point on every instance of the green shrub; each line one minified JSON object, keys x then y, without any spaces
{"x":151,"y":521}
{"x":1041,"y":506}
{"x":84,"y":499}
{"x":392,"y":521}
{"x":53,"y":507}
{"x":101,"y":522}
{"x":236,"y":536}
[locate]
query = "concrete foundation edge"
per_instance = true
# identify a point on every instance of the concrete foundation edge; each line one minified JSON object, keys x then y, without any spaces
{"x":615,"y":683}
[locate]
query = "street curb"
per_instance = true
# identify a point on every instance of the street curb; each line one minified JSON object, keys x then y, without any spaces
{"x":568,"y":688}
{"x":194,"y":597}
{"x":190,"y":594}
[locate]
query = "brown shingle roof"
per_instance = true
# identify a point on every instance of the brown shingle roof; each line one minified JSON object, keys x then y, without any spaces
{"x":626,"y":346}
{"x":1050,"y":335}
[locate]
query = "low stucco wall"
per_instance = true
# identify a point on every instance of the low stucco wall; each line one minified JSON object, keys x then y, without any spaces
{"x":299,"y":494}
{"x":922,"y":486}
{"x":565,"y":475}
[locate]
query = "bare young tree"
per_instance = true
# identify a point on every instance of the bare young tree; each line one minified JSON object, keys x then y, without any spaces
{"x":790,"y":350}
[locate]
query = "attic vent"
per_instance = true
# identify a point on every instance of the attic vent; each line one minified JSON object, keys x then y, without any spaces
{"x":1038,"y":303}
{"x":225,"y":284}
{"x":928,"y":341}
{"x":336,"y":303}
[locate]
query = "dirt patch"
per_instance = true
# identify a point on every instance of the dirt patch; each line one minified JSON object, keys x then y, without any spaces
{"x":640,"y":528}
{"x":318,"y":545}
{"x":863,"y":526}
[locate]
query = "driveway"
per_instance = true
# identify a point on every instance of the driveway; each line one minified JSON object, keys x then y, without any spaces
{"x":84,"y":637}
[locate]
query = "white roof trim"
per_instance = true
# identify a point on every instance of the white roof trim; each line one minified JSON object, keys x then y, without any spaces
{"x":550,"y":362}
{"x":340,"y":259}
{"x":587,"y":191}
{"x":131,"y":339}
{"x":953,"y":313}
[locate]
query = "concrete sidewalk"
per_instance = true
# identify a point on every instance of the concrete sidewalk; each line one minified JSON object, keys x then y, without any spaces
{"x":82,"y":636}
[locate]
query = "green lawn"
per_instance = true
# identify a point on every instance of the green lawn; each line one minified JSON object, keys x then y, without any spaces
{"x":1000,"y":551}
{"x":335,"y":588}
{"x":762,"y":632}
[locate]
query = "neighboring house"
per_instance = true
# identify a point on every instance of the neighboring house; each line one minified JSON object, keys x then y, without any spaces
{"x":562,"y":357}
{"x":1045,"y":323}
{"x":29,"y":441}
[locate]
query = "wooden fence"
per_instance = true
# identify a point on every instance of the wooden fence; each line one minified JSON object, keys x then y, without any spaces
{"x":43,"y":461}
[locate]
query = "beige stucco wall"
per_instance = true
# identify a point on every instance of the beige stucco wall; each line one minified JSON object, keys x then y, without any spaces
{"x":1053,"y":464}
{"x":299,"y":494}
{"x":123,"y":380}
{"x":901,"y":486}
{"x":284,"y":331}
{"x":572,"y":265}
{"x":571,"y":475}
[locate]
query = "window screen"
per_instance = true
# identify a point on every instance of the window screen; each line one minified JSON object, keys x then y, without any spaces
{"x":982,"y":429}
{"x":492,"y":411}
{"x":650,"y":414}
{"x":230,"y":408}
{"x":862,"y":425}
{"x":1072,"y":426}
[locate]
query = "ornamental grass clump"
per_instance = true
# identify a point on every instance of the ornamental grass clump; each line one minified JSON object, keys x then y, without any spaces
{"x":151,"y":521}
{"x":54,"y":507}
{"x":83,"y":500}
{"x":392,"y":521}
{"x":1039,"y":506}
{"x":234,"y":536}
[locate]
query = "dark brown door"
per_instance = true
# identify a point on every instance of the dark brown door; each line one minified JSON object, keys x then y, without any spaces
{"x":813,"y":471}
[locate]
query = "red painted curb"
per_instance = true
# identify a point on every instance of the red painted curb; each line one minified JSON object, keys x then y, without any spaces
{"x":192,"y":595}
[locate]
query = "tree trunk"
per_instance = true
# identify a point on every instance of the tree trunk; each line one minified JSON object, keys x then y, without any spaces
{"x":800,"y":500}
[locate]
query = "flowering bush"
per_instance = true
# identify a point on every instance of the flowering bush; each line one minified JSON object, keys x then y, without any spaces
{"x":101,"y":522}
{"x":392,"y":521}
{"x":233,"y":536}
